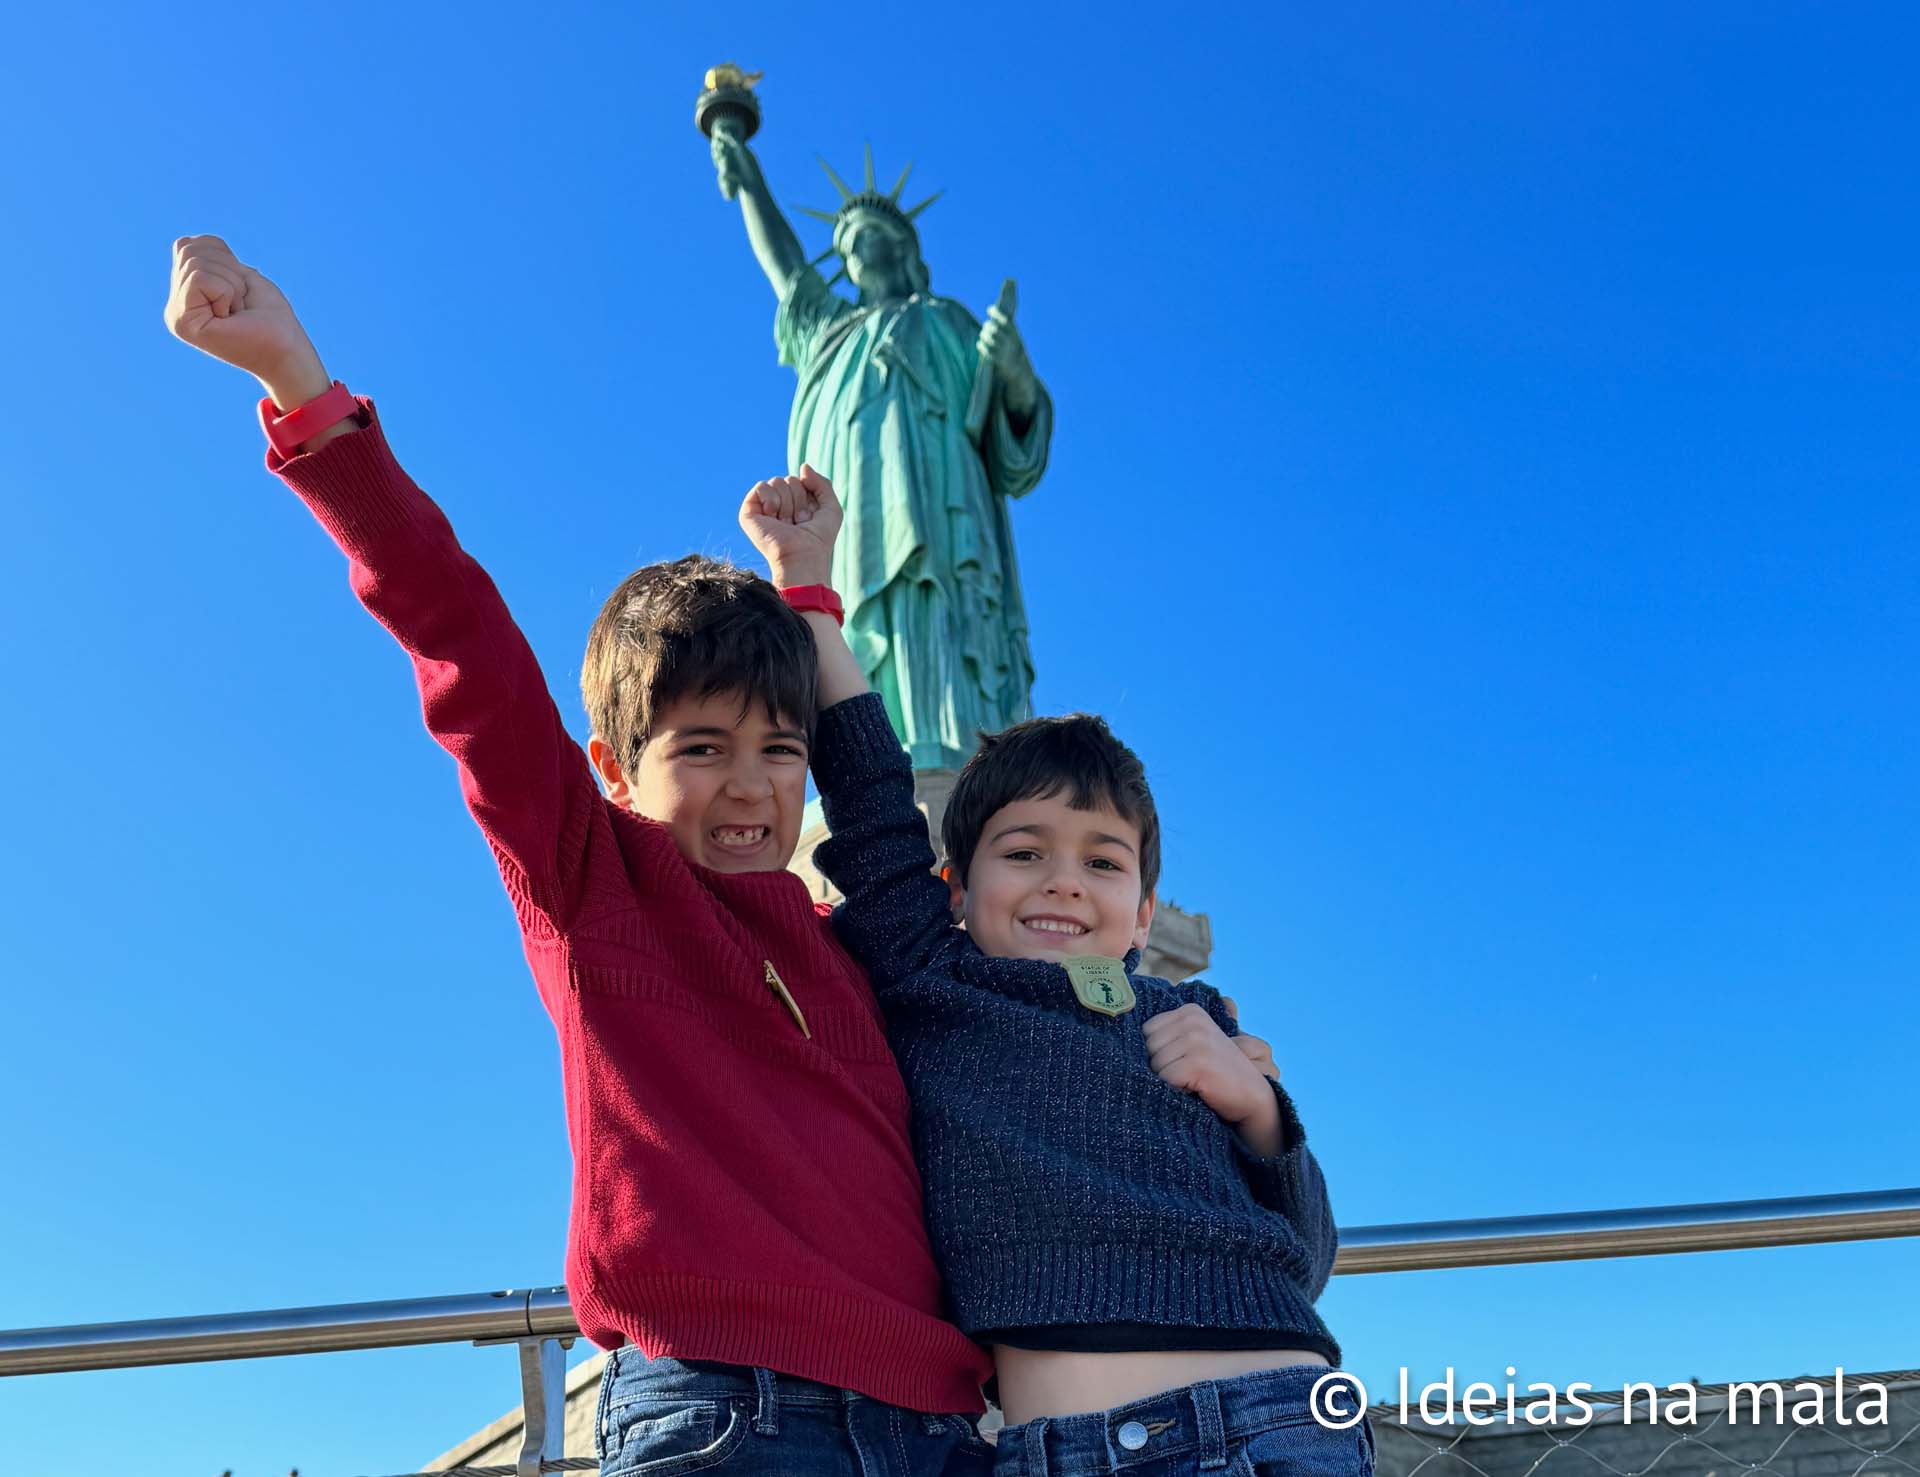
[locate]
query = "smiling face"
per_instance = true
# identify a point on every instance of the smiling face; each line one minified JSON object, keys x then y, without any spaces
{"x":1047,"y":881}
{"x":726,"y":778}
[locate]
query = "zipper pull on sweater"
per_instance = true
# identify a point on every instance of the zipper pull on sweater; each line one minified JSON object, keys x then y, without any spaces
{"x":779,"y":987}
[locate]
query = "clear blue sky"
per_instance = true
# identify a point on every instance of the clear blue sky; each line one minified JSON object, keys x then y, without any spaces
{"x":1483,"y":490}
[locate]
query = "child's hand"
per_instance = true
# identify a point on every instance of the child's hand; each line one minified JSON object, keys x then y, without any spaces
{"x":793,"y":522}
{"x":230,"y":311}
{"x":1259,"y":1052}
{"x":1186,"y":1049}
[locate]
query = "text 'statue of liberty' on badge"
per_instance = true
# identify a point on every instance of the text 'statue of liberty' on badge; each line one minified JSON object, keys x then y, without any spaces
{"x":1100,"y":983}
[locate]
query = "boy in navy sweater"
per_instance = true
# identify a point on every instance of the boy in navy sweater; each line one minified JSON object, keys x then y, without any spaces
{"x":1123,"y":1206}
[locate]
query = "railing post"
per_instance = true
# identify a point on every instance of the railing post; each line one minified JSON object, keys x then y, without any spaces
{"x":543,"y":1404}
{"x":543,"y":1398}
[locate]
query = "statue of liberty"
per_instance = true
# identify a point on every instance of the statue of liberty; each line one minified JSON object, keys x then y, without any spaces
{"x":926,"y":422}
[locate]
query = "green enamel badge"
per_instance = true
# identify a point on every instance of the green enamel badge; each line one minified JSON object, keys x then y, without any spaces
{"x":1100,"y":982}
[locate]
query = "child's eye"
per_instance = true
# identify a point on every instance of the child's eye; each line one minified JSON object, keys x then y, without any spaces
{"x":1024,"y":854}
{"x":787,"y":751}
{"x":698,"y":751}
{"x":1105,"y":864}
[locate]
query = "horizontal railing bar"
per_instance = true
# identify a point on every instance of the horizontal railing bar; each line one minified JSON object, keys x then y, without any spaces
{"x":1657,"y":1230}
{"x":545,"y":1312}
{"x":404,"y":1321}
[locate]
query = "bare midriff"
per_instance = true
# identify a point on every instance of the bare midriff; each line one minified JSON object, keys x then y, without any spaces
{"x":1051,"y":1382}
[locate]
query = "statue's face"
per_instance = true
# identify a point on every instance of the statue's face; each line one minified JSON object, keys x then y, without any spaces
{"x":879,"y":255}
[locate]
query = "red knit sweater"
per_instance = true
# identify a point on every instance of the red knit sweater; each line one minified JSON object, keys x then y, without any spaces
{"x":740,"y":1193}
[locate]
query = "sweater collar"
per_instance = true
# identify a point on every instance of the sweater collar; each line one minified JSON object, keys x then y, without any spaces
{"x":975,"y":960}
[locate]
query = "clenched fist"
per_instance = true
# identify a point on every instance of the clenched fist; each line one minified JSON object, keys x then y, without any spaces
{"x":793,"y":522}
{"x":1187,"y":1050}
{"x":227,"y":309}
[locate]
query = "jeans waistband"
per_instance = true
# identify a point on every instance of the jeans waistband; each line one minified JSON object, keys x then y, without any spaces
{"x":1198,"y":1423}
{"x":631,"y":1376}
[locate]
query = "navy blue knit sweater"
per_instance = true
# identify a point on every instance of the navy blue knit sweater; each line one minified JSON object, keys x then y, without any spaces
{"x":1067,"y":1186}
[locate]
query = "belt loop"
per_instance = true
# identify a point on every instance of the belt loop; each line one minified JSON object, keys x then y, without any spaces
{"x":1206,"y":1415}
{"x":1034,"y":1448}
{"x":766,"y":1407}
{"x":608,"y":1374}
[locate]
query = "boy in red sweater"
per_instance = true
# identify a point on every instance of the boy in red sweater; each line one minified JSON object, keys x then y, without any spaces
{"x":746,"y":1234}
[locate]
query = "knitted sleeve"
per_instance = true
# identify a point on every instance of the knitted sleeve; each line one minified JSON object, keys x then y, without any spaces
{"x":898,"y":916}
{"x":1290,"y":1184}
{"x":481,"y":689}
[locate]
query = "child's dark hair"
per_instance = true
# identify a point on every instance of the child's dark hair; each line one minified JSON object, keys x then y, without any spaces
{"x":693,"y":627}
{"x":1042,"y":757}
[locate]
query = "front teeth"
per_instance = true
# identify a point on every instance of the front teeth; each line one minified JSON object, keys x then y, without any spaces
{"x":1049,"y":925}
{"x":739,"y":835}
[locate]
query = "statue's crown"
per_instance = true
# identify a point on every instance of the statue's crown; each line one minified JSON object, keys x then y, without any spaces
{"x":869,"y":200}
{"x":876,"y":202}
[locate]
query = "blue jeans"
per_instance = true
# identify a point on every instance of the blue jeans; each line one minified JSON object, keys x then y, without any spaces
{"x":665,"y":1417}
{"x":1256,"y":1425}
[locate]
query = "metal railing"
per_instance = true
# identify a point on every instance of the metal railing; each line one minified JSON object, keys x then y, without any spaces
{"x":541,"y":1320}
{"x":477,"y":1317}
{"x":1658,"y":1230}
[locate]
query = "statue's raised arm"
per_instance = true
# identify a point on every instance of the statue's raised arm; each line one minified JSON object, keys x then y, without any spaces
{"x":728,"y":113}
{"x":775,"y":246}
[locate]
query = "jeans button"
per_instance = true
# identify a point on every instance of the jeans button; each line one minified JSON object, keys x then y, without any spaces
{"x":1132,"y":1435}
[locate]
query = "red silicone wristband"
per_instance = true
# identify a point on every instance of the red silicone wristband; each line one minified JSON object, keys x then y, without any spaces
{"x":286,"y":433}
{"x":816,"y":597}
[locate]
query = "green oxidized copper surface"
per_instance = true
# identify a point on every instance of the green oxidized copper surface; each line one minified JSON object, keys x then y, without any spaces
{"x":928,"y":424}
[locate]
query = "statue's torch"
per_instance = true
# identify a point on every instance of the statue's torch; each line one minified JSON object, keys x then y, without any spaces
{"x":727,"y":105}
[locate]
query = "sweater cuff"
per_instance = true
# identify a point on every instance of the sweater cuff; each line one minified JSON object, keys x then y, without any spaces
{"x":1267,"y":1173}
{"x":854,"y":741}
{"x":353,"y":484}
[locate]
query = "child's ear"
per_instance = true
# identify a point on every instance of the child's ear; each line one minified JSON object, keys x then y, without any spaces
{"x":956,"y":894}
{"x":600,"y":755}
{"x":1143,"y":922}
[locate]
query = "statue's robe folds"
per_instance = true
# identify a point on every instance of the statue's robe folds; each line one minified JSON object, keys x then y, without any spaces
{"x":925,"y":561}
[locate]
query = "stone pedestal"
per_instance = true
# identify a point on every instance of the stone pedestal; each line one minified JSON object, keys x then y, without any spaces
{"x":1180,"y":945}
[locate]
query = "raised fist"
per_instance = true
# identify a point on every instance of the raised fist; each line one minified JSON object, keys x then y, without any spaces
{"x":793,"y":522}
{"x":225,"y":308}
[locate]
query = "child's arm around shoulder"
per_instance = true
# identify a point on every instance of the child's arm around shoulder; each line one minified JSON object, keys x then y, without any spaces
{"x":482,"y":693}
{"x":897,"y":915}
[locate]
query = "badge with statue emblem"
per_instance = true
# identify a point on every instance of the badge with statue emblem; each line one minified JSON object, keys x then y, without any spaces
{"x":1100,"y":983}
